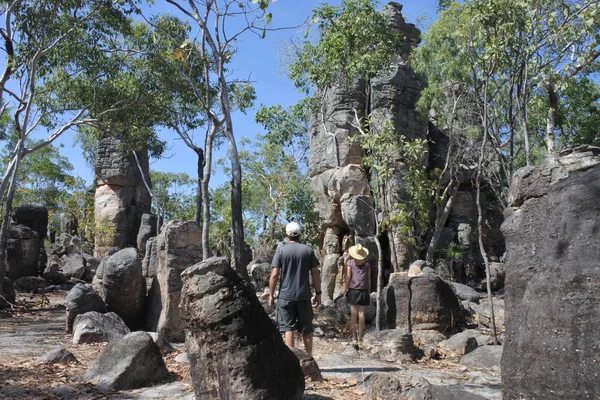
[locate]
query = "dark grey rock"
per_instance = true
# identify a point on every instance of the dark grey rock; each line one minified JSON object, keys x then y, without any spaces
{"x":148,"y":229}
{"x":150,"y":262}
{"x":22,"y":252}
{"x":30,"y":283}
{"x":552,"y":287}
{"x":74,"y":266}
{"x":421,"y":302}
{"x":122,"y":286}
{"x":460,"y":344}
{"x":59,"y":355}
{"x":164,"y":346}
{"x":382,"y":385}
{"x":483,"y":357}
{"x":309,"y":366}
{"x":464,"y":292}
{"x":8,"y":292}
{"x":227,"y":329}
{"x":395,"y":345}
{"x":131,"y":362}
{"x":261,"y":274}
{"x":93,"y":327}
{"x":483,"y":312}
{"x":81,"y":299}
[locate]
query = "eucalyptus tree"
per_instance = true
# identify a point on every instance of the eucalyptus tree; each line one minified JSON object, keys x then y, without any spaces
{"x":58,"y":59}
{"x":216,"y":91}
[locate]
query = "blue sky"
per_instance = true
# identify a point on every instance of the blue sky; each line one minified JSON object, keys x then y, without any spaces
{"x":256,"y":59}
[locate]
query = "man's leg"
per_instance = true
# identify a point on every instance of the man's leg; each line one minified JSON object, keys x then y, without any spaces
{"x":307,"y":338}
{"x":289,"y":338}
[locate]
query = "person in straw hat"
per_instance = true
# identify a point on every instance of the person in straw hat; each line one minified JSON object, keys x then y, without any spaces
{"x":358,"y":284}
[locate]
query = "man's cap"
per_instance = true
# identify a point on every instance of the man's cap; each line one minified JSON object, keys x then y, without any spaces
{"x":293,"y":229}
{"x":358,"y":252}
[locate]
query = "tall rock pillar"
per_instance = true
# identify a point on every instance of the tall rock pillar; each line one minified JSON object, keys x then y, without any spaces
{"x":121,"y":196}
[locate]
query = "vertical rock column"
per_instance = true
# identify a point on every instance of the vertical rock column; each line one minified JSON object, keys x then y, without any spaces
{"x":121,"y":196}
{"x":177,"y":247}
{"x":552,"y":298}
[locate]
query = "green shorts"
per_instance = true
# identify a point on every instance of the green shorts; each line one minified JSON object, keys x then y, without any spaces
{"x":295,"y":315}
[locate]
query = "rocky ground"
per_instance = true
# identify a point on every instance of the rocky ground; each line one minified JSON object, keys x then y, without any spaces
{"x":37,"y":326}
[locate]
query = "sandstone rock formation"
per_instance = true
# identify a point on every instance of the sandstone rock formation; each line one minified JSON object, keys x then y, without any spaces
{"x":122,"y":286}
{"x":177,"y":247}
{"x":80,"y":300}
{"x":36,"y":218}
{"x":22,"y":252}
{"x":234,"y":349}
{"x":121,"y":197}
{"x":421,"y":302}
{"x":341,"y":186}
{"x":130,"y":362}
{"x":553,"y":279}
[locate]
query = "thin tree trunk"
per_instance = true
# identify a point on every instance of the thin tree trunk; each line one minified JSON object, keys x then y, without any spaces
{"x":379,"y":297}
{"x":440,"y":221}
{"x":199,"y":167}
{"x":551,"y":118}
{"x":480,"y":211}
{"x":208,"y":146}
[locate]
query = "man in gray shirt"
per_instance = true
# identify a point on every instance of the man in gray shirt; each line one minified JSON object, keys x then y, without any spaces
{"x":294,"y":262}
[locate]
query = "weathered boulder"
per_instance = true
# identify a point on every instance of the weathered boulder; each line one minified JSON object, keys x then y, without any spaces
{"x":178,"y":247}
{"x":36,"y":218}
{"x":552,"y":289}
{"x":260,"y":274}
{"x":93,"y":327}
{"x":420,"y":302}
{"x":30,"y":283}
{"x":464,"y":292}
{"x":80,"y":300}
{"x":483,"y":313}
{"x":394,"y":345}
{"x":122,"y":286}
{"x":382,"y":385}
{"x":150,"y":261}
{"x":91,"y":266}
{"x":487,"y":357}
{"x":164,"y":346}
{"x":58,"y":355}
{"x":22,"y":252}
{"x":309,"y":366}
{"x":459,"y":344}
{"x":121,"y":197}
{"x":52,"y":273}
{"x":148,"y":229}
{"x":131,"y":362}
{"x":67,"y":244}
{"x":234,"y":349}
{"x":8,"y":291}
{"x":74,"y":266}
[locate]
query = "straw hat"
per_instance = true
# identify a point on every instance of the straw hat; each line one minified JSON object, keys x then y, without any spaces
{"x":358,"y":252}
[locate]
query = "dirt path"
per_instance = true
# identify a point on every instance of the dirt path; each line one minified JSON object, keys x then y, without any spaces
{"x":30,"y":333}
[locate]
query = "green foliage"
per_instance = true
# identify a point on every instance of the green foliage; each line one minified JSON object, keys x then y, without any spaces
{"x":579,"y":114}
{"x":386,"y":155}
{"x":175,"y":194}
{"x":354,"y":41}
{"x":454,"y":252}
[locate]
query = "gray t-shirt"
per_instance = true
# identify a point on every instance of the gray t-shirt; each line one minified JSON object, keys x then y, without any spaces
{"x":295,"y":261}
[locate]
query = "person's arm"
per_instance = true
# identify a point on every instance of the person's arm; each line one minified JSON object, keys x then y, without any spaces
{"x":348,"y":278}
{"x":316,"y":278}
{"x":272,"y":285}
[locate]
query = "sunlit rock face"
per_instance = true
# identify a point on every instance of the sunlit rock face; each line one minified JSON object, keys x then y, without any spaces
{"x":121,"y":197}
{"x":552,"y":297}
